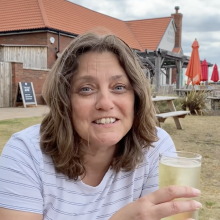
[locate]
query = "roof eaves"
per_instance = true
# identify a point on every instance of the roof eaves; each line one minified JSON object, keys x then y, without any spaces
{"x":43,"y":29}
{"x":21,"y":45}
{"x":17,"y":31}
{"x":43,"y":13}
{"x":149,"y":19}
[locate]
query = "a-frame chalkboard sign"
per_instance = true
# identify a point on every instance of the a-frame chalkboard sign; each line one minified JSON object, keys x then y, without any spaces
{"x":25,"y":94}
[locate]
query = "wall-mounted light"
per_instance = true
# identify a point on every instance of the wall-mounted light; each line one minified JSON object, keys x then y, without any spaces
{"x":52,"y":40}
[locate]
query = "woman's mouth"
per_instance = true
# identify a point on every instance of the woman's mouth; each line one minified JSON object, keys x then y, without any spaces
{"x":103,"y":121}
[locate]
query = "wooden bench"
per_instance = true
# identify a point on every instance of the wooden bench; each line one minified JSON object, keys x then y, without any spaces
{"x":175,"y":114}
{"x":215,"y":102}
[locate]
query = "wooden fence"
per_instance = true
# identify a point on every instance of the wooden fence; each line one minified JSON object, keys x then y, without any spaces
{"x":5,"y":84}
{"x":31,"y":56}
{"x":166,"y":90}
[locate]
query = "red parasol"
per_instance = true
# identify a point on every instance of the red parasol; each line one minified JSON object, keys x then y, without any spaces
{"x":194,"y":70}
{"x":204,"y":71}
{"x":215,"y":74}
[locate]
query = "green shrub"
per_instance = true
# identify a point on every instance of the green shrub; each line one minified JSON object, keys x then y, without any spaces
{"x":195,"y":102}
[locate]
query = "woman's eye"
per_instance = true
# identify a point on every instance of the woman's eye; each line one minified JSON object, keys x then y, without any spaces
{"x":86,"y":89}
{"x":120,"y":88}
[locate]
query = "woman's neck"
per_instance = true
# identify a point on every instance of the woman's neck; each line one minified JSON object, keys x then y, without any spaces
{"x":97,"y":163}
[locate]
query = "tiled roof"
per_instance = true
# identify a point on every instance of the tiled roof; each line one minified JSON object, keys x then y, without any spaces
{"x":20,"y":15}
{"x":69,"y":17}
{"x":149,"y":32}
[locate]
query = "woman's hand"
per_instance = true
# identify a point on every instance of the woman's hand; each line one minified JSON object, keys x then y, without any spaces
{"x":159,"y":204}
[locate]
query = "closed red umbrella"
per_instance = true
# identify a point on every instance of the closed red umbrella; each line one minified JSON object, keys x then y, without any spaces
{"x":215,"y":74}
{"x":194,"y":70}
{"x":204,"y":71}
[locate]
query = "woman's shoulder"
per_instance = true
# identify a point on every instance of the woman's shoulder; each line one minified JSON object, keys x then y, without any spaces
{"x":161,"y":133}
{"x":25,"y":142}
{"x":164,"y":143}
{"x":30,"y":134}
{"x":164,"y":139}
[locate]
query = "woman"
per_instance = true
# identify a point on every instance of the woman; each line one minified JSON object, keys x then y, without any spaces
{"x":95,"y":155}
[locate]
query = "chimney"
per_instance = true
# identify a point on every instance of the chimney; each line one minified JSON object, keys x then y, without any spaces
{"x":178,"y":22}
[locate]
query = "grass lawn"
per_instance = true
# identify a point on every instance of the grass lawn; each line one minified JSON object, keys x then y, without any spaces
{"x":200,"y":134}
{"x":9,"y":127}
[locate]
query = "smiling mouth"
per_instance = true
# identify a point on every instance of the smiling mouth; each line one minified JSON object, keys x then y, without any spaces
{"x":103,"y":121}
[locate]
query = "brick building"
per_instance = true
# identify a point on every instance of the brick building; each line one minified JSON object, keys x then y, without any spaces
{"x":52,"y":25}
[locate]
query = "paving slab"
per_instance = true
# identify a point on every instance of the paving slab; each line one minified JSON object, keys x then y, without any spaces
{"x":21,"y":112}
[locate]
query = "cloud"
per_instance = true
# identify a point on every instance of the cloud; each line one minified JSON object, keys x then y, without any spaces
{"x":206,"y":23}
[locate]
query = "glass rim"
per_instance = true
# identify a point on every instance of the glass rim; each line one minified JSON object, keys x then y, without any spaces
{"x":193,"y":155}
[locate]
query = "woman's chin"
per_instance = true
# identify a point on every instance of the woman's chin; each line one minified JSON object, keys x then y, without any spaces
{"x":105,"y":141}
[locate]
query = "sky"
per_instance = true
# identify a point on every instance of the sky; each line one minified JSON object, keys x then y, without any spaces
{"x":201,"y":20}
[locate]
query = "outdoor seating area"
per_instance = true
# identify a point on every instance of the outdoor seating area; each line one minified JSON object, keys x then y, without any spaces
{"x":208,"y":89}
{"x":173,"y":112}
{"x":168,"y":93}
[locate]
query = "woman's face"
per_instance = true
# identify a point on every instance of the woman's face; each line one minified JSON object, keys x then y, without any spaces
{"x":102,"y":100}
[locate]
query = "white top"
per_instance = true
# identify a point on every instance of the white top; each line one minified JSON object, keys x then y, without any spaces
{"x":29,"y":182}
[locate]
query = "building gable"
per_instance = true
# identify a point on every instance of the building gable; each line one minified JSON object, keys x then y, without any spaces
{"x":168,"y":40}
{"x":149,"y":32}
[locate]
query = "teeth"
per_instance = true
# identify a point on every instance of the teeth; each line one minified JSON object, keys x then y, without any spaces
{"x":105,"y":120}
{"x":112,"y":120}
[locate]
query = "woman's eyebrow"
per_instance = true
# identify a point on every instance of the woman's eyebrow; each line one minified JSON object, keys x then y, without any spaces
{"x":85,"y":78}
{"x":112,"y":78}
{"x":92,"y":78}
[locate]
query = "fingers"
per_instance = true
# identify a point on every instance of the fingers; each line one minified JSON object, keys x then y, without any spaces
{"x":174,"y":207}
{"x":169,"y":193}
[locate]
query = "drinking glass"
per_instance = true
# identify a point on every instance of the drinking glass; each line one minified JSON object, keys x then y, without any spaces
{"x":183,"y":169}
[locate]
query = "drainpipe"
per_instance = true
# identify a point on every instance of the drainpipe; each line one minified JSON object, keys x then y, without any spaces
{"x":58,"y":43}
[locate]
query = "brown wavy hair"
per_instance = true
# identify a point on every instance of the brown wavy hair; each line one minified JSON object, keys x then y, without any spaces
{"x":58,"y":137}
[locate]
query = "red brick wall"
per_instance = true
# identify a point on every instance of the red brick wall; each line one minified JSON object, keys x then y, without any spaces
{"x":178,"y":35}
{"x":17,"y":71}
{"x":37,"y":77}
{"x":53,"y":48}
{"x":25,"y":39}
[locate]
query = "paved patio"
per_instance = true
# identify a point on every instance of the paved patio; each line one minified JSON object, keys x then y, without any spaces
{"x":21,"y":112}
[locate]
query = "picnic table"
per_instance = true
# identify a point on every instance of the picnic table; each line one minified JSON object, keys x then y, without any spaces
{"x":173,"y":112}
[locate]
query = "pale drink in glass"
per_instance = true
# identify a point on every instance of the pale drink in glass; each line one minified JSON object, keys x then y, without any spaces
{"x":183,"y":169}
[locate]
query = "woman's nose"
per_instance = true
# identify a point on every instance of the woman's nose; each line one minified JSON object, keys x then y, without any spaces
{"x":104,"y":101}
